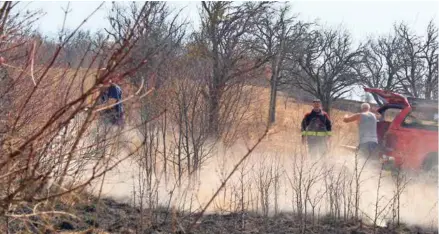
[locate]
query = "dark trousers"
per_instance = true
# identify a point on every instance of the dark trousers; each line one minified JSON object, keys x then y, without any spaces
{"x":317,"y":146}
{"x":368,"y":150}
{"x":113,"y":118}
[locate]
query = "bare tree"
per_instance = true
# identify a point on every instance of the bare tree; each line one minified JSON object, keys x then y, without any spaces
{"x":159,"y":40}
{"x":324,"y":68}
{"x":430,"y":56}
{"x":410,"y":74}
{"x":380,"y":63}
{"x":401,"y":62}
{"x":188,"y":116}
{"x":78,"y":47}
{"x":277,"y":36}
{"x":225,"y":28}
{"x":45,"y":140}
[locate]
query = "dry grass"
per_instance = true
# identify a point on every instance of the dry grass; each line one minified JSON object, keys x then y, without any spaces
{"x":285,"y":133}
{"x":281,"y":146}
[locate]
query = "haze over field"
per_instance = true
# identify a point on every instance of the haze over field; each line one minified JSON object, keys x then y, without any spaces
{"x":136,"y":117}
{"x":275,"y":156}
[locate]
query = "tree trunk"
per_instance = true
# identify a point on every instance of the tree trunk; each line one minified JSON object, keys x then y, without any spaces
{"x":428,"y":91}
{"x":326,"y":105}
{"x":215,"y":89}
{"x":214,"y":112}
{"x":273,"y":98}
{"x":428,"y":95}
{"x":275,"y":67}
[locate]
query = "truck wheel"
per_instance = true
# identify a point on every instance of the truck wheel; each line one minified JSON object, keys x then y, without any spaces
{"x":430,"y":166}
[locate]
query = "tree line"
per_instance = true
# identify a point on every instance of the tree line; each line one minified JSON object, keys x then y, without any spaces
{"x":188,"y":89}
{"x":239,"y":39}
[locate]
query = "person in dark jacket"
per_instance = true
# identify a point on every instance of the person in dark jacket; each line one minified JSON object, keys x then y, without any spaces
{"x":112,"y":95}
{"x":316,"y":130}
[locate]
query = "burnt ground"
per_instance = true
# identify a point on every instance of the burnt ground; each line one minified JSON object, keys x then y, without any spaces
{"x":109,"y":216}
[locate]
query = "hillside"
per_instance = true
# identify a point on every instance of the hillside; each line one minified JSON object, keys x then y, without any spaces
{"x":145,"y":118}
{"x":279,"y":156}
{"x":277,"y":179}
{"x":116,"y":208}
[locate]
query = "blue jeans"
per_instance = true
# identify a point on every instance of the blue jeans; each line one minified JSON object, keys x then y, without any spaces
{"x":368,"y":150}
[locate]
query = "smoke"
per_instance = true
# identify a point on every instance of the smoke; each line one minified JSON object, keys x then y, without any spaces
{"x":271,"y":179}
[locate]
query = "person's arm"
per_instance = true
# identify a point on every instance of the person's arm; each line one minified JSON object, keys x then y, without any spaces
{"x":378,"y":115}
{"x":105,"y":99}
{"x":98,"y":97}
{"x":303,"y":128}
{"x":303,"y":125}
{"x":352,"y":118}
{"x":328,"y":124}
{"x":111,"y":101}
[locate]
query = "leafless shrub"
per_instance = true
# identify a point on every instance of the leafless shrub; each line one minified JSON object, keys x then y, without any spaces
{"x":53,"y":146}
{"x":264,"y":182}
{"x":45,"y":149}
{"x":278,"y":37}
{"x":146,"y":189}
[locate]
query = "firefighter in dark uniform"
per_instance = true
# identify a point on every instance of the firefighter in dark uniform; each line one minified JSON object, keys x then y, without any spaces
{"x":316,"y":130}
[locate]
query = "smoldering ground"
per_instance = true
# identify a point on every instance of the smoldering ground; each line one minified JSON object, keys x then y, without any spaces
{"x":272,"y":182}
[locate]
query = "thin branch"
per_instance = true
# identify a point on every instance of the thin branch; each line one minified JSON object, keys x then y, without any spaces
{"x":124,"y":100}
{"x":223,"y":184}
{"x":41,"y":213}
{"x":32,"y":59}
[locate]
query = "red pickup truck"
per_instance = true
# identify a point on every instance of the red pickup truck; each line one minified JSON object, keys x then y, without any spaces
{"x":407,"y":131}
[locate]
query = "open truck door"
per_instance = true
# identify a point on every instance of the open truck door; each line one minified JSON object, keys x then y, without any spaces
{"x":390,"y":104}
{"x":384,"y":97}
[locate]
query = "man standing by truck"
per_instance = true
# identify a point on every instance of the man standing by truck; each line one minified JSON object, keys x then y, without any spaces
{"x":367,"y":124}
{"x":316,"y":130}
